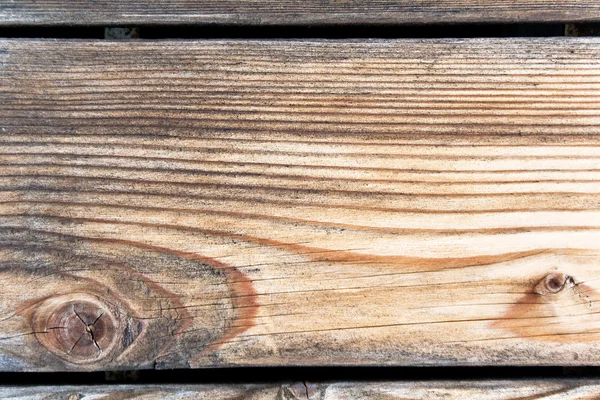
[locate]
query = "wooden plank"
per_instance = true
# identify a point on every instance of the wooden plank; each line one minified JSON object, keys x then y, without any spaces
{"x":210,"y":203}
{"x":480,"y":390}
{"x":167,"y":392}
{"x":292,"y":12}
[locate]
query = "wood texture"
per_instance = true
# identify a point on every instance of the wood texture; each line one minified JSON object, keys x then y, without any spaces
{"x":447,"y":390}
{"x":292,"y":12}
{"x":189,"y":204}
{"x":295,"y":391}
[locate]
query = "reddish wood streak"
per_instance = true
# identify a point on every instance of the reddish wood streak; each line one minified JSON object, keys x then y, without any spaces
{"x":316,"y":254}
{"x":243,"y":295}
{"x":555,"y":310}
{"x":422,"y":264}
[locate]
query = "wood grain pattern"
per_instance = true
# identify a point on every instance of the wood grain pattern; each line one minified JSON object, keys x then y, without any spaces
{"x":292,"y":12}
{"x":189,"y":204}
{"x":465,"y":390}
{"x":292,"y":391}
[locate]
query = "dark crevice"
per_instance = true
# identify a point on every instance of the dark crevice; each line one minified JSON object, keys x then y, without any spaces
{"x":297,"y":374}
{"x":27,"y":32}
{"x":304,"y":32}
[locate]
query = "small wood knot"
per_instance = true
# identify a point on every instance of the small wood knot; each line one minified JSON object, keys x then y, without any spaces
{"x":553,"y":283}
{"x":78,"y":327}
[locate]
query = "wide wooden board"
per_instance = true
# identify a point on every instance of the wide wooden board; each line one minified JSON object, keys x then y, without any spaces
{"x":192,"y":204}
{"x":460,"y":390}
{"x":292,"y":12}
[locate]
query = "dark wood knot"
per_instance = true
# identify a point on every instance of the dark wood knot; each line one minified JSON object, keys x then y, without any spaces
{"x":553,"y":283}
{"x":77,"y":327}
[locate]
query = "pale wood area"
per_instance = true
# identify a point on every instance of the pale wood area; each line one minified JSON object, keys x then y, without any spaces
{"x":189,"y":204}
{"x":466,"y":390}
{"x":292,"y":12}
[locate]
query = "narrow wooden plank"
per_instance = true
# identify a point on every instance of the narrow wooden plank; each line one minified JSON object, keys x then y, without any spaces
{"x":189,"y":204}
{"x":295,"y":391}
{"x":292,"y":12}
{"x":426,"y":390}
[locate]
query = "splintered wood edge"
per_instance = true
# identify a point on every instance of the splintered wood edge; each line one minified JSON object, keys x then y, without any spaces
{"x":293,"y":12}
{"x":419,"y":390}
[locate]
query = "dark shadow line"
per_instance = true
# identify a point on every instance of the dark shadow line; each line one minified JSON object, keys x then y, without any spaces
{"x":347,"y":31}
{"x":293,"y":374}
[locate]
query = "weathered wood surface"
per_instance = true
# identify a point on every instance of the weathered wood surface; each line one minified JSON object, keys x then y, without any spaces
{"x":292,"y":12}
{"x":467,"y":390}
{"x":175,"y":204}
{"x":294,"y":391}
